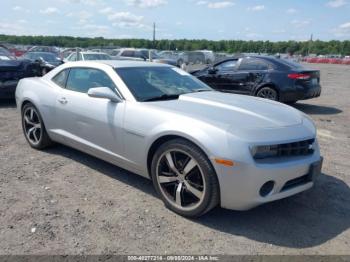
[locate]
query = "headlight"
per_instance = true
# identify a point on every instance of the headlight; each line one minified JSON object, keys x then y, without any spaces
{"x":260,"y":152}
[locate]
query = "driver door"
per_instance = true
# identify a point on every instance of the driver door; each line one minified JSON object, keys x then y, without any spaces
{"x":93,"y":125}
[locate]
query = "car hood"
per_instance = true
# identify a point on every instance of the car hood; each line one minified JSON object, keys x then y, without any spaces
{"x":230,"y":110}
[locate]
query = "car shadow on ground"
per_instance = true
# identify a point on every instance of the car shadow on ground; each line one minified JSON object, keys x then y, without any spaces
{"x":316,"y":109}
{"x":308,"y":219}
{"x":105,"y":168}
{"x":8,"y":103}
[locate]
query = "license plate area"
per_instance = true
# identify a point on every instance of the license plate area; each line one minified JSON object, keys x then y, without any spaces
{"x":315,"y":169}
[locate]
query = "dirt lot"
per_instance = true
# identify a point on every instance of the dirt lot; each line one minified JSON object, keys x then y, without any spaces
{"x":61,"y":201}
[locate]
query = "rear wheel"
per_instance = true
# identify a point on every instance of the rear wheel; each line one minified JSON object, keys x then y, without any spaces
{"x":268,"y":93}
{"x":184,"y":178}
{"x":33,"y":127}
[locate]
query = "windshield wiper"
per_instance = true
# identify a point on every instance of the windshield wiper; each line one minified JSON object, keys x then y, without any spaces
{"x":202,"y":90}
{"x":162,"y":97}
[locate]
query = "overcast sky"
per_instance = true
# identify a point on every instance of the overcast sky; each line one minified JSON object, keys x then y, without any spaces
{"x":192,"y":19}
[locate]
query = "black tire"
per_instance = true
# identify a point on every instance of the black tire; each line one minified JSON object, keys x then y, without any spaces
{"x":267,"y":93}
{"x":44,"y":140}
{"x":210,"y":193}
{"x":291,"y":103}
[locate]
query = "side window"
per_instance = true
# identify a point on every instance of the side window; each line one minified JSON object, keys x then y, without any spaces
{"x":80,"y":57}
{"x":128,"y":53}
{"x":253,"y":64}
{"x":61,"y":78}
{"x":73,"y":57}
{"x":82,"y":79}
{"x":229,"y":65}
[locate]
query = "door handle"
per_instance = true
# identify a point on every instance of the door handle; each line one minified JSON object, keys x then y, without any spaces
{"x":63,"y":100}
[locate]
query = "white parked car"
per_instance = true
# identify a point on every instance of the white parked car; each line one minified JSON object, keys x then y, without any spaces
{"x":87,"y":56}
{"x":200,"y":147}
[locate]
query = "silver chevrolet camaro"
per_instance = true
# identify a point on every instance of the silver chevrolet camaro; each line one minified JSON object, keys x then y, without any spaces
{"x":201,"y":148}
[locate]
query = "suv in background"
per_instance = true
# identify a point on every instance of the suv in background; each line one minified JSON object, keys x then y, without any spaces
{"x":143,"y":55}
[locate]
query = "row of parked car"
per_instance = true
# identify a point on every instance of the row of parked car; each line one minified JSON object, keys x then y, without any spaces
{"x":262,"y":76}
{"x":327,"y":60}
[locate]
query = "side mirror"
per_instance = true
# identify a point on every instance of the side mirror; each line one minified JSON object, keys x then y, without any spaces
{"x":104,"y":92}
{"x":212,"y":70}
{"x":39,"y":60}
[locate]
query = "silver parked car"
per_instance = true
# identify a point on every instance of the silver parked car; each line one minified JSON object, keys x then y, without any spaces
{"x":200,"y":147}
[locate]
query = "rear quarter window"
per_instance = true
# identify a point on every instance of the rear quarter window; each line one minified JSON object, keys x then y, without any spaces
{"x":61,"y":78}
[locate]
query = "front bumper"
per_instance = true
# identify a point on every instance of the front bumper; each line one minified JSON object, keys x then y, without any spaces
{"x":240,"y":185}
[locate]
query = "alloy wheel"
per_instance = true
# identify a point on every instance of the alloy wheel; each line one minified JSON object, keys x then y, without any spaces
{"x":180,"y":179}
{"x":32,"y":125}
{"x":267,"y":93}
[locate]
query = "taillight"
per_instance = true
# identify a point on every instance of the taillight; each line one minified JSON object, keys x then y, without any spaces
{"x":299,"y":76}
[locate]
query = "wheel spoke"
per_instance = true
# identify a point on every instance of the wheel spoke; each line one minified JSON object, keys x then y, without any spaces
{"x":31,"y":112}
{"x":30,"y":131}
{"x":167,"y":179}
{"x":28,"y":121}
{"x":189,"y":166}
{"x":178,"y":194}
{"x":34,"y":135}
{"x":170,"y":162}
{"x":193,"y":190}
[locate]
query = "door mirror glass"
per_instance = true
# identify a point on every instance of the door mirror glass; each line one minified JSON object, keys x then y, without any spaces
{"x":104,"y":92}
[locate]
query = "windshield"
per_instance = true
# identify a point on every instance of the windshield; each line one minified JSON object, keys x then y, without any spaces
{"x":145,"y":53}
{"x":46,"y":56}
{"x":96,"y":57}
{"x":146,"y":83}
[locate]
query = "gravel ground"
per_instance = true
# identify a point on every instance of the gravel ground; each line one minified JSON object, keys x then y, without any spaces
{"x":61,"y":201}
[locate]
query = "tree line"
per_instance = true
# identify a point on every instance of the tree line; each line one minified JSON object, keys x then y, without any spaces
{"x":230,"y":46}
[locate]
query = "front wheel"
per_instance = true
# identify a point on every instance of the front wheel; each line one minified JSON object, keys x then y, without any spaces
{"x":33,"y":127}
{"x":184,"y":178}
{"x":268,"y":93}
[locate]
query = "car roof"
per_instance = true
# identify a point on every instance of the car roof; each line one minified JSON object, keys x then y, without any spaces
{"x":118,"y":63}
{"x":92,"y":53}
{"x":39,"y":52}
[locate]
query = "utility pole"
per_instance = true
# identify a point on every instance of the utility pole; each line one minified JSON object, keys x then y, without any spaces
{"x":154,"y":35}
{"x":310,"y":42}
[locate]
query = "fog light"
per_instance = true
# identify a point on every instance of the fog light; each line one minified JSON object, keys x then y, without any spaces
{"x":267,"y":188}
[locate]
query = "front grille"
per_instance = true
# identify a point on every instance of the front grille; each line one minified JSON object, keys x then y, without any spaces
{"x":299,"y":148}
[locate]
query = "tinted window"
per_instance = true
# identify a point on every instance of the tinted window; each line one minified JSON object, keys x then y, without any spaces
{"x":128,"y":53}
{"x":149,"y":82}
{"x":46,"y":56}
{"x":253,"y":64}
{"x":61,"y":78}
{"x":82,"y":79}
{"x":228,"y":65}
